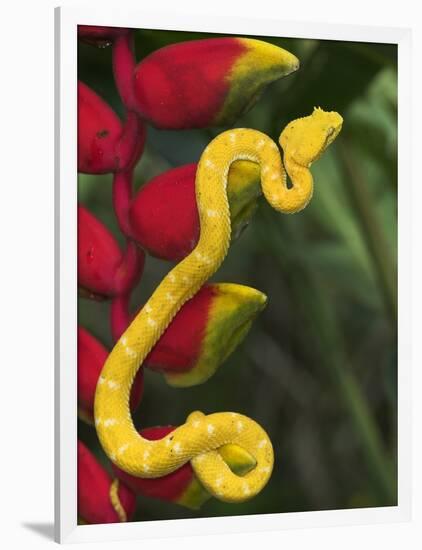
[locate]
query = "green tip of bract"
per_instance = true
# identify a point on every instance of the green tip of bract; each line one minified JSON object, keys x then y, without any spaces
{"x":259,"y":64}
{"x":237,"y":458}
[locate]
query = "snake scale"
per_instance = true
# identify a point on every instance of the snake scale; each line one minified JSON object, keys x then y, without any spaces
{"x":303,"y":141}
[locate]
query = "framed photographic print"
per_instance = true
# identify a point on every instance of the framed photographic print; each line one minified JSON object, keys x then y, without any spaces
{"x":232,"y":215}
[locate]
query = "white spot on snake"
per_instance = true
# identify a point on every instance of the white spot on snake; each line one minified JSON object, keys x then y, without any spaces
{"x":112,"y":457}
{"x":274,"y":176}
{"x":260,"y":144}
{"x":146,"y":468}
{"x":218,"y":482}
{"x":123,"y":340}
{"x":209,"y":163}
{"x":97,"y":421}
{"x":130,"y":352}
{"x":210,"y":428}
{"x":123,"y":448}
{"x":177,"y":448}
{"x":172,"y":278}
{"x":101,"y":380}
{"x":212,"y":213}
{"x":148,"y":308}
{"x":152,"y":322}
{"x":239,"y":426}
{"x":246,"y":489}
{"x":146,"y":454}
{"x":113,"y":385}
{"x":196,"y":423}
{"x":273,"y":145}
{"x":264,"y":170}
{"x":203,"y":257}
{"x":168,"y":441}
{"x":262,"y":443}
{"x":265,"y":469}
{"x":109,"y":422}
{"x":170,"y":297}
{"x":232,"y":137}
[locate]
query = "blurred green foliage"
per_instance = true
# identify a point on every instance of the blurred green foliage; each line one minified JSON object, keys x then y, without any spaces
{"x":318,"y":369}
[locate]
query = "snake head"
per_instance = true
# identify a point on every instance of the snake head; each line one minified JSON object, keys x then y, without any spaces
{"x":305,"y":139}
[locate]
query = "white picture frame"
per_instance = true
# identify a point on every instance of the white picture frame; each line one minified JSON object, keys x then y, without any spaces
{"x":66,"y":528}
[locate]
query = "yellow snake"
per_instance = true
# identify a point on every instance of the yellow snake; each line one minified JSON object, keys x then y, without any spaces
{"x":303,"y":141}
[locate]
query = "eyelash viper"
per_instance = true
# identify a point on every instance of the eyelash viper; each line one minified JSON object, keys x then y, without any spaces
{"x":303,"y":141}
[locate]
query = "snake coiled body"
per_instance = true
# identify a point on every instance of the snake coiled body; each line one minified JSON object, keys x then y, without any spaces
{"x":199,"y":438}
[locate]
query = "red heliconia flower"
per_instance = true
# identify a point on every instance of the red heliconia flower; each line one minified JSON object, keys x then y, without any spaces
{"x":205,"y":332}
{"x":91,"y":357}
{"x":182,"y":486}
{"x":99,"y":130}
{"x":164,"y":216}
{"x":208,"y":82}
{"x":100,"y":498}
{"x":103,"y":270}
{"x":100,"y":36}
{"x":99,"y":255}
{"x":104,"y":143}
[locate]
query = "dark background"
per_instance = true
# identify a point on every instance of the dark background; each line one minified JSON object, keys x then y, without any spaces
{"x":318,"y":369}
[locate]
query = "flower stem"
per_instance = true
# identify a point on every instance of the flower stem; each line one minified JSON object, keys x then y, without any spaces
{"x":119,"y":315}
{"x":123,"y":68}
{"x":122,"y":196}
{"x":130,"y":269}
{"x":130,"y":148}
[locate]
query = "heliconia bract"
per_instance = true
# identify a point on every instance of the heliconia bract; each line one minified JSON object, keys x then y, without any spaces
{"x":164,"y":216}
{"x":100,"y":36}
{"x":99,"y":130}
{"x":103,"y":268}
{"x":105,"y":144}
{"x":205,"y":332}
{"x":100,"y":498}
{"x":209,"y":82}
